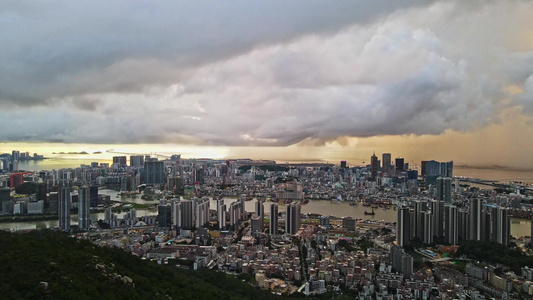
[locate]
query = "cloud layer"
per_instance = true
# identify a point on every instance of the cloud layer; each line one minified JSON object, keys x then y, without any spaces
{"x":245,"y":73}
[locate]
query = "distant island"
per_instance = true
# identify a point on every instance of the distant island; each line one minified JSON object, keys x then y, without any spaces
{"x":72,"y":153}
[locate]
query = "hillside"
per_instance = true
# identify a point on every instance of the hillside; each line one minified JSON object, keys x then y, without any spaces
{"x":49,"y":265}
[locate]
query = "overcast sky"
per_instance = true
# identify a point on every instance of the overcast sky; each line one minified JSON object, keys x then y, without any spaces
{"x":262,"y":73}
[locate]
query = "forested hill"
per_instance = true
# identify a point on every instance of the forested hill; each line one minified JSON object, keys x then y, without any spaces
{"x":49,"y":265}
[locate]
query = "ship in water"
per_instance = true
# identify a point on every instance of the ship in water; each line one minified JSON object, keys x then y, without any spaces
{"x":370,"y":213}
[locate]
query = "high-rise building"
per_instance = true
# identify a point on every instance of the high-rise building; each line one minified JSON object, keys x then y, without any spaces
{"x":64,"y":208}
{"x":503,"y":233}
{"x":386,"y":162}
{"x":437,"y":211}
{"x":432,"y":169}
{"x":374,"y":166}
{"x":221,"y":214}
{"x":136,"y":160}
{"x":428,"y":228}
{"x":403,"y":227}
{"x":164,"y":215}
{"x":5,"y":196}
{"x":451,"y":225}
{"x":273,"y":225}
{"x":176,"y":214}
{"x":16,"y":179}
{"x":444,"y":189}
{"x":154,"y":172}
{"x":84,"y":202}
{"x":41,"y":193}
{"x":93,"y":195}
{"x":399,"y":164}
{"x":256,"y":224}
{"x":292,"y":222}
{"x":260,"y":212}
{"x":201,"y":210}
{"x":418,"y":222}
{"x":474,"y":219}
{"x":234,"y":215}
{"x":343,"y":164}
{"x":401,"y":261}
{"x":463,"y":225}
{"x":187,"y":214}
{"x":119,"y":160}
{"x":15,"y":156}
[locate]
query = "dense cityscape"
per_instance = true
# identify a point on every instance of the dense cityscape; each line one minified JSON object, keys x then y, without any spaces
{"x":303,"y":149}
{"x":200,"y":220}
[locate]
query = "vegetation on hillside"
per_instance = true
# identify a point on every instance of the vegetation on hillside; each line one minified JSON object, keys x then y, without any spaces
{"x":49,"y":265}
{"x":495,"y":252}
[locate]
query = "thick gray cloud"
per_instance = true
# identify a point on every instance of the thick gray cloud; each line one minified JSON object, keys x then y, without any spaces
{"x":246,"y":73}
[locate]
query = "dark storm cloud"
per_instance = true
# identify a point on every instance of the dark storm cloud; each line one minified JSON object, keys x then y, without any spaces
{"x":56,"y":48}
{"x":269,"y":73}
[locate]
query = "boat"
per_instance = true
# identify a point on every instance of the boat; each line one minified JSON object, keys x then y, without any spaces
{"x":370,"y":213}
{"x":275,"y":200}
{"x":248,"y":199}
{"x":288,"y":201}
{"x":305,"y":201}
{"x":353,"y":204}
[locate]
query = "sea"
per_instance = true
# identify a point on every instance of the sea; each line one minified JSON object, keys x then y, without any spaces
{"x":519,"y":227}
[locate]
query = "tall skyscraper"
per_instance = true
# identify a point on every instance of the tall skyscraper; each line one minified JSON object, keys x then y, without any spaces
{"x":386,"y":161}
{"x":256,"y":224}
{"x":201,"y":208}
{"x":120,"y":160}
{"x":64,"y":208}
{"x":463,"y":224}
{"x":164,"y":214}
{"x":503,"y":233}
{"x":374,"y":166}
{"x":428,"y":228}
{"x":403,"y":227}
{"x":15,"y":156}
{"x":437,"y":211}
{"x":444,"y":189}
{"x":343,"y":164}
{"x":176,"y":214}
{"x":418,"y":222}
{"x":451,"y":225}
{"x":401,"y":261}
{"x":273,"y":225}
{"x":292,"y":222}
{"x":187,"y":214}
{"x":154,"y":172}
{"x":474,"y":219}
{"x":93,"y":195}
{"x":260,"y":212}
{"x":84,"y":202}
{"x":399,"y":164}
{"x":221,"y":213}
{"x":136,"y":160}
{"x":234,"y":215}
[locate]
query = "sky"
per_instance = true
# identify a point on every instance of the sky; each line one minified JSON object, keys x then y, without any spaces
{"x":284,"y":80}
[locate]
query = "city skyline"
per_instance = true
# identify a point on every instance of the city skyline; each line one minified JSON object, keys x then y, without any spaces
{"x":444,"y":80}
